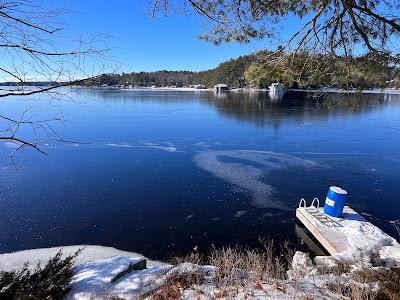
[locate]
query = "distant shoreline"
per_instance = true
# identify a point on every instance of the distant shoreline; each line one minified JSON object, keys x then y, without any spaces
{"x":389,"y":91}
{"x":251,"y":90}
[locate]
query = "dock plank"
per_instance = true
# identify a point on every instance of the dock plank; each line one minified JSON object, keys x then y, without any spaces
{"x":348,"y":236}
{"x":332,"y":240}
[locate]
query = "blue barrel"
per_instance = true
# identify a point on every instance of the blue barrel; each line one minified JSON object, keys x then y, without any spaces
{"x":335,"y":201}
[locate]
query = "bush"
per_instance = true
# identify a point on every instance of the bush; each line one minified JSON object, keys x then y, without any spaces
{"x":48,"y":282}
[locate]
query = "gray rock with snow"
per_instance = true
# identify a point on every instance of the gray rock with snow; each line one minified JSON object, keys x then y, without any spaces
{"x":114,"y":277}
{"x":301,"y":265}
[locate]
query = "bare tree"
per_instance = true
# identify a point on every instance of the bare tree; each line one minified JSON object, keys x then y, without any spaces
{"x":36,"y":47}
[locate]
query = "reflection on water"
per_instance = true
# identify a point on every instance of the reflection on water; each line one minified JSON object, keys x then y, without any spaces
{"x":166,"y":171}
{"x":276,"y":95}
{"x":260,"y":109}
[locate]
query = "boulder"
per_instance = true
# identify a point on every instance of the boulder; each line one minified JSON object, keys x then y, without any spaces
{"x":301,"y":265}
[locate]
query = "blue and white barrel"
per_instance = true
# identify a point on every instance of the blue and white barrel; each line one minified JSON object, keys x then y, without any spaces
{"x":335,"y":201}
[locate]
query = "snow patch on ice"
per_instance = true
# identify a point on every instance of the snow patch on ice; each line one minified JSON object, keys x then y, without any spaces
{"x":165,"y":146}
{"x":240,"y":213}
{"x":248,"y":172}
{"x":121,"y":145}
{"x":189,"y":217}
{"x":269,"y":215}
{"x":331,"y":153}
{"x":202,"y":144}
{"x":168,"y":149}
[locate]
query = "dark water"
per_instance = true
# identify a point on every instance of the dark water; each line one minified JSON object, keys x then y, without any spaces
{"x":163,"y":172}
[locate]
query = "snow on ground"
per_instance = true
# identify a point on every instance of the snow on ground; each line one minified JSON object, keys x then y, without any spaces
{"x":364,"y":238}
{"x":390,"y":254}
{"x":15,"y":260}
{"x":97,"y":266}
{"x":95,"y":279}
{"x":125,"y":277}
{"x":282,"y":290}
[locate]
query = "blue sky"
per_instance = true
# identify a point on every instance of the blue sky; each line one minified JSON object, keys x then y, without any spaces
{"x":142,"y":43}
{"x":139,"y":42}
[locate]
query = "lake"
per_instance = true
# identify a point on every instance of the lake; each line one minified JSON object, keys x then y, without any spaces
{"x":160,"y":172}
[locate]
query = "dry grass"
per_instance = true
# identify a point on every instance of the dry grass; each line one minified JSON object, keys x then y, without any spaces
{"x":194,"y":258}
{"x":352,"y":288}
{"x":221,"y":294}
{"x":338,"y":269}
{"x":347,"y":284}
{"x":277,"y":264}
{"x":229,"y":263}
{"x":368,"y":283}
{"x":237,"y":266}
{"x":238,"y":269}
{"x":388,"y":280}
{"x":168,"y":292}
{"x":175,"y":285}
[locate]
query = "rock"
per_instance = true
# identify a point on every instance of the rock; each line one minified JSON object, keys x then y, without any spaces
{"x":137,"y":265}
{"x":209,"y":274}
{"x":390,"y":255}
{"x":301,"y":265}
{"x":326,"y":261}
{"x":93,"y":278}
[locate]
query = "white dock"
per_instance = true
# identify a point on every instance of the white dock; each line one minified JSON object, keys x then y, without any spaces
{"x":347,"y":235}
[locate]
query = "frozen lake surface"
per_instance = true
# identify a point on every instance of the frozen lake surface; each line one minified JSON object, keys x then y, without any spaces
{"x":160,"y":172}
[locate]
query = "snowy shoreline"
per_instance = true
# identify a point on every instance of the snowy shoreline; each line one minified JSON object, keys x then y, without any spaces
{"x":16,"y":260}
{"x":105,"y":272}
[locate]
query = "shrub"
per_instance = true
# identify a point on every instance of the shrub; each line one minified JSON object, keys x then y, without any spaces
{"x":48,"y":282}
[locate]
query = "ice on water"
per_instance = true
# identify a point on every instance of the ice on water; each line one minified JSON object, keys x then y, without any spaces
{"x":248,"y":170}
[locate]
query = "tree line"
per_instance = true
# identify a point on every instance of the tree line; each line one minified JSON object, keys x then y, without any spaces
{"x":259,"y":70}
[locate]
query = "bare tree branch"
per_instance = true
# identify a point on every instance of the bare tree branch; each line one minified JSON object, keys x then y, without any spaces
{"x":34,"y":49}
